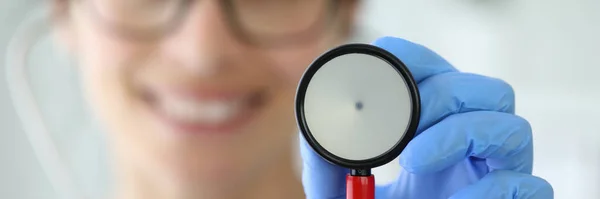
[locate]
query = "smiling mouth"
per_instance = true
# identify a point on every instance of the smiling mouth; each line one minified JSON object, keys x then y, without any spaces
{"x":198,"y":112}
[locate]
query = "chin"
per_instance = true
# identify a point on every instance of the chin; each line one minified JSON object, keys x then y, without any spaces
{"x":208,"y":172}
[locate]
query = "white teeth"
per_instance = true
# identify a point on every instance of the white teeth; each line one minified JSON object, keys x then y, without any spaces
{"x":200,"y":111}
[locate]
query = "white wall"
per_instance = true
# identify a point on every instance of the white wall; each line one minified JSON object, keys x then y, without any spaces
{"x":545,"y":48}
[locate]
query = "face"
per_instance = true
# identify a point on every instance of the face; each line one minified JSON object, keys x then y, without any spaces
{"x":203,"y":95}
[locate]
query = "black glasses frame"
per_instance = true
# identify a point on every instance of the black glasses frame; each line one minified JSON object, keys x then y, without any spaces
{"x":233,"y":22}
{"x":329,"y":15}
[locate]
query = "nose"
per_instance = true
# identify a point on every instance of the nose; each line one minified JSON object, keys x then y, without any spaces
{"x":202,"y":43}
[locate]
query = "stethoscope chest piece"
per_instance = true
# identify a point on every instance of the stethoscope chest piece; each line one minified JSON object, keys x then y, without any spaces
{"x":358,"y":106}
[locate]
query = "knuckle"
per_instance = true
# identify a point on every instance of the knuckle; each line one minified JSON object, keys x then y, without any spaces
{"x":522,"y":125}
{"x":541,"y":187}
{"x":474,"y":83}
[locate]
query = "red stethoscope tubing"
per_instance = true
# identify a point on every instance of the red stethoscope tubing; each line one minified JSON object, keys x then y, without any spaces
{"x":360,"y":187}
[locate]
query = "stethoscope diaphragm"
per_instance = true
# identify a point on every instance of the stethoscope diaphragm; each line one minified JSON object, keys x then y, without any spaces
{"x":358,"y":107}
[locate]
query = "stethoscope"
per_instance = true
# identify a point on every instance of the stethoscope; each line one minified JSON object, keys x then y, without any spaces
{"x":27,"y":34}
{"x":358,"y":107}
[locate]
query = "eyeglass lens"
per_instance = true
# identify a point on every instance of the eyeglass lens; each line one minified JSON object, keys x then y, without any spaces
{"x":257,"y":19}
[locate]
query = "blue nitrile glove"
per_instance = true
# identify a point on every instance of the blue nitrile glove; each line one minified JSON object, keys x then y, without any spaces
{"x":469,"y":143}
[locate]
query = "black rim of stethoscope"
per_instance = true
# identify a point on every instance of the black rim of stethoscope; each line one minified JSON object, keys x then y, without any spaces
{"x":402,"y":71}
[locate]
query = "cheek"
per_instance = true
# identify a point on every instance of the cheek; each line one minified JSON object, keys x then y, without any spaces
{"x":292,"y":63}
{"x":105,"y":60}
{"x":104,"y":71}
{"x":105,"y":66}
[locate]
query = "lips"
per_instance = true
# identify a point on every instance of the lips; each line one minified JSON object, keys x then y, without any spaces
{"x":201,"y":111}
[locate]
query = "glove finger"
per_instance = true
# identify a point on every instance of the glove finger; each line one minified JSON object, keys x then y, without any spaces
{"x":455,"y":92}
{"x":503,"y":139}
{"x":507,"y":185}
{"x":321,"y":179}
{"x":420,"y":61}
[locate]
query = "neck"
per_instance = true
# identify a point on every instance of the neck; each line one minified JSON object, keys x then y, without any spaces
{"x":277,"y":180}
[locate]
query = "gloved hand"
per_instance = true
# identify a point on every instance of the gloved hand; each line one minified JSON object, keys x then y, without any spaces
{"x":469,"y":143}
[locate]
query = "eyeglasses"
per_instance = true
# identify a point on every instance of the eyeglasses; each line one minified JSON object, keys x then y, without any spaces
{"x":268,"y":23}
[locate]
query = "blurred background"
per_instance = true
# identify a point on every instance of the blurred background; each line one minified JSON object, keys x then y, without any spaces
{"x":547,"y":49}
